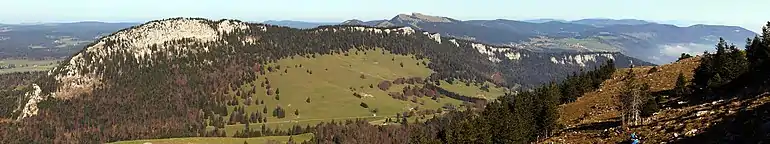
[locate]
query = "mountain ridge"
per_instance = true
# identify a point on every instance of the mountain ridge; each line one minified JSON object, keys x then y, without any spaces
{"x":142,"y":43}
{"x":649,"y":41}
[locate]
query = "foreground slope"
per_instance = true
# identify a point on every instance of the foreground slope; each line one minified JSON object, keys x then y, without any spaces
{"x":594,"y":118}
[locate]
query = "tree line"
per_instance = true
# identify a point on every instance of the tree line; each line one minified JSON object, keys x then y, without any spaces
{"x":729,"y":71}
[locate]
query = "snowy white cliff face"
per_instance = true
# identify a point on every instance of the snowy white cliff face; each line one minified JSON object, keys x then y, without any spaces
{"x":581,"y":59}
{"x":137,"y":41}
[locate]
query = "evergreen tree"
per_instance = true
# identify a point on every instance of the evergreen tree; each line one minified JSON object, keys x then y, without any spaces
{"x":631,"y":99}
{"x":525,"y":120}
{"x":549,"y":113}
{"x":715,"y":81}
{"x":680,"y":89}
{"x":650,"y":107}
{"x":684,"y":56}
{"x":499,"y":117}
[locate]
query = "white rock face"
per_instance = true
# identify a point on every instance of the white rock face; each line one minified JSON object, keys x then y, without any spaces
{"x":136,"y":41}
{"x":553,"y":59}
{"x":490,"y":51}
{"x":513,"y":56}
{"x":436,"y":37}
{"x":580,"y":59}
{"x":30,"y":108}
{"x":400,"y":30}
{"x":454,"y":42}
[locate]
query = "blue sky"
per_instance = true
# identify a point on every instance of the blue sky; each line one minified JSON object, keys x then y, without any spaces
{"x":749,"y":14}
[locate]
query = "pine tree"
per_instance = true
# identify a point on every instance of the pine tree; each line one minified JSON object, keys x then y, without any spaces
{"x":737,"y":63}
{"x":684,"y":56}
{"x":499,"y":117}
{"x":549,"y":112}
{"x":632,"y":98}
{"x":681,"y":85}
{"x":715,"y":81}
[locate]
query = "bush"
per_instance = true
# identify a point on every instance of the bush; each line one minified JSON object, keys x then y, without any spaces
{"x":650,"y":107}
{"x":684,"y":56}
{"x":384,"y":85}
{"x":652,"y":70}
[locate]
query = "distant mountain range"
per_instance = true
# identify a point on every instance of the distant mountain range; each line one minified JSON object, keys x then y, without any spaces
{"x":298,"y":24}
{"x":51,"y":40}
{"x":650,"y":41}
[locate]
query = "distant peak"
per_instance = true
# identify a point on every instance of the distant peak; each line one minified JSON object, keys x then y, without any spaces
{"x":352,"y":20}
{"x":419,"y":17}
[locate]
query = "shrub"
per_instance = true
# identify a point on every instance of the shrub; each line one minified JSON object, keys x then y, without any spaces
{"x":384,"y":85}
{"x":652,"y":70}
{"x":650,"y":107}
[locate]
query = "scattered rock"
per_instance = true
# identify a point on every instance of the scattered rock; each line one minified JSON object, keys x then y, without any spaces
{"x":702,"y":113}
{"x":691,"y":132}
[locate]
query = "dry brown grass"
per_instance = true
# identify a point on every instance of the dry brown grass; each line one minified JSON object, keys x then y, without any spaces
{"x":593,"y":118}
{"x":601,"y":105}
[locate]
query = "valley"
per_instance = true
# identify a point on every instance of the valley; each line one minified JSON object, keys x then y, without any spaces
{"x":21,"y":65}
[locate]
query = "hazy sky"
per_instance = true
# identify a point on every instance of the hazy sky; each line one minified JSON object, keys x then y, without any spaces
{"x":750,"y":14}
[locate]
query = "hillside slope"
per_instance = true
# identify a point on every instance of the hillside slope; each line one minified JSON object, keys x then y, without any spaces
{"x":594,"y":118}
{"x":185,"y":77}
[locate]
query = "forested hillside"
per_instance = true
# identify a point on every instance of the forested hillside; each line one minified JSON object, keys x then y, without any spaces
{"x":182,"y":77}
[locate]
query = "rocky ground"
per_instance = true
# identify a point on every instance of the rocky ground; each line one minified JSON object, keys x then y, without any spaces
{"x":594,"y":118}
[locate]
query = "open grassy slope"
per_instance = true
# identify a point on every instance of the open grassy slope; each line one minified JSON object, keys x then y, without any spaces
{"x":221,"y":140}
{"x":330,"y":81}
